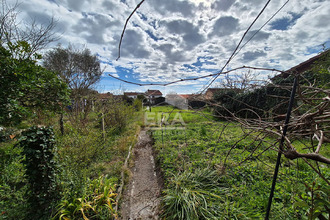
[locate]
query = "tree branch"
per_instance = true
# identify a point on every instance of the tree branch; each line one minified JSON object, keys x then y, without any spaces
{"x":122,"y":34}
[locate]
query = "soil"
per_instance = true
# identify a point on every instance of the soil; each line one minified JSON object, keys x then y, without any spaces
{"x":141,"y":198}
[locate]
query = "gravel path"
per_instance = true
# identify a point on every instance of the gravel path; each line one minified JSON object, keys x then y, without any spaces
{"x":141,"y":197}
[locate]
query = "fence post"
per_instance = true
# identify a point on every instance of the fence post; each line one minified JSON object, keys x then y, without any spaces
{"x":103,"y":126}
{"x":278,"y":161}
{"x":161,"y":124}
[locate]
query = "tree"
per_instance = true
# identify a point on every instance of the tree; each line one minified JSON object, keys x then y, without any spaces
{"x":78,"y":68}
{"x":246,"y":81}
{"x":25,"y":85}
{"x":12,"y":31}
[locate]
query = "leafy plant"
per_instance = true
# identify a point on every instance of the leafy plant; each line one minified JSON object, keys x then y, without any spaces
{"x":26,"y":86}
{"x":39,"y":149}
{"x":315,"y":201}
{"x":98,"y":202}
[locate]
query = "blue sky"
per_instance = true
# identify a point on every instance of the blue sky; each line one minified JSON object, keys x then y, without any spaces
{"x":176,"y":39}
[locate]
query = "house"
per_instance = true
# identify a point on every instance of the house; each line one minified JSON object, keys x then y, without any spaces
{"x":105,"y":96}
{"x":306,"y":65}
{"x":132,"y":95}
{"x":185,"y":101}
{"x":210,"y":92}
{"x":153,"y":95}
{"x":177,"y":100}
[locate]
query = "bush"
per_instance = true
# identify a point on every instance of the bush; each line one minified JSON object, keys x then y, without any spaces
{"x":13,"y":201}
{"x":116,"y":115}
{"x":39,"y":149}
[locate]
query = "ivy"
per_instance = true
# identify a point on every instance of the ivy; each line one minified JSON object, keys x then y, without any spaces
{"x":39,"y":150}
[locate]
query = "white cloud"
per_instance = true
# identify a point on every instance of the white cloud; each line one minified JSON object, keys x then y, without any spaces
{"x":165,"y":38}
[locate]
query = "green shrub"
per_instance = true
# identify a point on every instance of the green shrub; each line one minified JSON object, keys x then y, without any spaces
{"x":13,"y":202}
{"x":116,"y":115}
{"x":39,"y":149}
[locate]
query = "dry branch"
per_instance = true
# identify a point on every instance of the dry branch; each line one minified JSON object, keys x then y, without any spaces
{"x":122,"y":34}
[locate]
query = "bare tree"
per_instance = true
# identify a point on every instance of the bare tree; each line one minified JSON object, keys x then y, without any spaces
{"x":37,"y":36}
{"x":245,"y":81}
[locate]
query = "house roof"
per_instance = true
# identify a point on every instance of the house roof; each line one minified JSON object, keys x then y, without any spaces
{"x":153,"y":92}
{"x":190,"y":96}
{"x":186,"y":96}
{"x":306,"y":65}
{"x":105,"y":95}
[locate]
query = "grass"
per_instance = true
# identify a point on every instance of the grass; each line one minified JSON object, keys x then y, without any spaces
{"x":85,"y":157}
{"x":190,"y":194}
{"x":205,"y":144}
{"x":188,"y":116}
{"x":89,"y":168}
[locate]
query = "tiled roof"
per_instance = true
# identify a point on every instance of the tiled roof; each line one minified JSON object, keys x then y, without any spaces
{"x":105,"y":95}
{"x":306,"y":65}
{"x":154,"y":92}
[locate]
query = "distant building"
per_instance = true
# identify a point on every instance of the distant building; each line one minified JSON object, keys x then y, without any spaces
{"x":132,"y":95}
{"x":105,"y":96}
{"x":153,"y":95}
{"x":209,"y":94}
{"x":177,"y":100}
{"x":185,"y":101}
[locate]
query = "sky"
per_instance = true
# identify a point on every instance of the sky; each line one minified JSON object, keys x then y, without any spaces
{"x":167,"y":40}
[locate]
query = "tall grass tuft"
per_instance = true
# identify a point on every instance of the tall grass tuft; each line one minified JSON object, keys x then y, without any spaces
{"x":194,"y":195}
{"x":98,"y":202}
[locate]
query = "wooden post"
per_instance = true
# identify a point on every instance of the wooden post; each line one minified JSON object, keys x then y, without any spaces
{"x":103,"y":126}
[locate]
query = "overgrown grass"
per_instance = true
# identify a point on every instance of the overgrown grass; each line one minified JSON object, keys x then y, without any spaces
{"x":222,"y":147}
{"x":89,"y":165}
{"x":86,"y":156}
{"x":194,"y":195}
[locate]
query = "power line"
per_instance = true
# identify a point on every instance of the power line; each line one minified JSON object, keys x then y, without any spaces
{"x":232,"y":55}
{"x":262,"y":27}
{"x":196,"y":78}
{"x":215,"y":75}
{"x":253,"y":36}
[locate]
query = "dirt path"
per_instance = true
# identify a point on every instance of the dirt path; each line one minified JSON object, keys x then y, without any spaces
{"x":141,"y":197}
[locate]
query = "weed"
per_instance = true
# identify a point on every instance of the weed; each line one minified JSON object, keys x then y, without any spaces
{"x":247,"y":171}
{"x":194,"y":195}
{"x":97,"y":202}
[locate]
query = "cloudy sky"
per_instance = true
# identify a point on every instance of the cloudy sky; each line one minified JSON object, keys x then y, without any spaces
{"x":168,"y":40}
